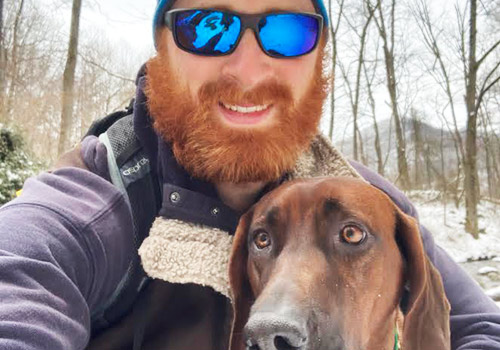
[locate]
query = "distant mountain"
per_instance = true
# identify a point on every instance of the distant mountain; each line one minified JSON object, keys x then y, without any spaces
{"x":430,"y":165}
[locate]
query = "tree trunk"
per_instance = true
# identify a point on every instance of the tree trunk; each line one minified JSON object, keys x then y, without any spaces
{"x":489,"y":155}
{"x":14,"y":60}
{"x":355,"y":106}
{"x":1,"y":21}
{"x":3,"y":61}
{"x":362,"y":154}
{"x":428,"y":165}
{"x":487,"y":158}
{"x":332,"y":91}
{"x":418,"y":146}
{"x":443,"y":176}
{"x":333,"y":33}
{"x":460,"y":165}
{"x":388,"y":46}
{"x":471,"y":184}
{"x":68,"y":81}
{"x":378,"y":149}
{"x":371,"y":100}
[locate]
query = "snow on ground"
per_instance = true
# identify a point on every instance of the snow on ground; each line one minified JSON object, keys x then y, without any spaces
{"x":451,"y":235}
{"x":479,"y":258}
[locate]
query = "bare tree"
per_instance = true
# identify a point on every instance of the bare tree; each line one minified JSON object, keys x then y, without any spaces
{"x":418,"y":145}
{"x":494,"y":154}
{"x":14,"y":58}
{"x":102,"y":83}
{"x":490,"y":143}
{"x":489,"y":155}
{"x":443,"y":176}
{"x":334,"y":28}
{"x":474,"y":94}
{"x":103,"y":79}
{"x":427,"y":28}
{"x":32,"y":66}
{"x":354,"y":94}
{"x":387,"y":35}
{"x":69,"y":80}
{"x":3,"y":59}
{"x":362,"y":154}
{"x":372,"y":103}
{"x":1,"y":20}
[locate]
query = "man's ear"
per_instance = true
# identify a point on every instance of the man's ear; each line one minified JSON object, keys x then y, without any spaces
{"x":426,"y":322}
{"x":241,"y":293}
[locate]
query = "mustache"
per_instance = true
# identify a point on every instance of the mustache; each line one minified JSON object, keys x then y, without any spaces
{"x":229,"y":91}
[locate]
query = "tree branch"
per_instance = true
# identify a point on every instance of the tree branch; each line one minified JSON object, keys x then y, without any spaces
{"x":86,"y":60}
{"x":485,"y":89}
{"x":478,"y":63}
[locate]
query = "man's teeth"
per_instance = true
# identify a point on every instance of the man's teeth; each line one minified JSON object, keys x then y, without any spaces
{"x":241,"y":109}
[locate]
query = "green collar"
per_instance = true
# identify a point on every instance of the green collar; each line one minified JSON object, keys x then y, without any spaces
{"x":397,"y":346}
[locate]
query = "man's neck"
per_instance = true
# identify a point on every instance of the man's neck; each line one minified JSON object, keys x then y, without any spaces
{"x":239,"y":197}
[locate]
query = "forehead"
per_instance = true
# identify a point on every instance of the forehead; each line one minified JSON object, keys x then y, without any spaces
{"x":322,"y":197}
{"x":250,"y":6}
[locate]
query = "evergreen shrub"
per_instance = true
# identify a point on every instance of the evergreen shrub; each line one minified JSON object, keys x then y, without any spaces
{"x":16,"y":165}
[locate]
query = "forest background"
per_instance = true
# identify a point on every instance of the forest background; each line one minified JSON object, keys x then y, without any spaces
{"x":416,"y":96}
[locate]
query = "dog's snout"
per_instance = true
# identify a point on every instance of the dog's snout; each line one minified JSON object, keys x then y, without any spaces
{"x":271,"y":332}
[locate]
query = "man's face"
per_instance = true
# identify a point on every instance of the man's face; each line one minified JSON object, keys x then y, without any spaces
{"x":260,"y":111}
{"x":248,"y":66}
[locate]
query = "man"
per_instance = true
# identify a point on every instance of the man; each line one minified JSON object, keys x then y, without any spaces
{"x":224,"y":114}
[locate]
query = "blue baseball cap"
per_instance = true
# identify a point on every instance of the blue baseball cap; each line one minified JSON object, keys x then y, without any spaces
{"x":165,"y":5}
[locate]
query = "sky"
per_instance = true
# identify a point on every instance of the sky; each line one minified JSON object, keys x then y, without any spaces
{"x":123,"y":20}
{"x":127,"y":22}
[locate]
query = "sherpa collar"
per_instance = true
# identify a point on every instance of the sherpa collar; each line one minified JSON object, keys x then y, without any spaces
{"x":190,"y":241}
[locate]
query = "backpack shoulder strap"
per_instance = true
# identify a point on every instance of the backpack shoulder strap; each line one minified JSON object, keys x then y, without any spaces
{"x":100,"y":126}
{"x":130,"y":171}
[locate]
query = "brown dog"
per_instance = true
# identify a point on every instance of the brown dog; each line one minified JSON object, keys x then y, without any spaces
{"x":321,"y":264}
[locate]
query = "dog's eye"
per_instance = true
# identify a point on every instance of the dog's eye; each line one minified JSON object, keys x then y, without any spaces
{"x":262,"y":240}
{"x":352,"y":234}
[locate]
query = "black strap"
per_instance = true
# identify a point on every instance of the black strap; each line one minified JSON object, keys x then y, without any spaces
{"x":144,"y":195}
{"x":145,"y":198}
{"x":140,"y":317}
{"x":100,"y":126}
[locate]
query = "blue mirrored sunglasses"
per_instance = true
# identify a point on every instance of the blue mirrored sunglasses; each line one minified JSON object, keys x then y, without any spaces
{"x":212,"y":32}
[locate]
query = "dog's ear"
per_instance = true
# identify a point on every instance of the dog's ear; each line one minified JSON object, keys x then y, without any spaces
{"x":426,"y":321}
{"x":241,"y":293}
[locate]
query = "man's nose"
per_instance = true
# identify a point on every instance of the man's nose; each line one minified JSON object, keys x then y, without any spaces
{"x":248,"y":64}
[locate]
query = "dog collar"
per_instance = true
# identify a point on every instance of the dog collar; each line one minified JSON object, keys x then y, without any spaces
{"x":397,"y":345}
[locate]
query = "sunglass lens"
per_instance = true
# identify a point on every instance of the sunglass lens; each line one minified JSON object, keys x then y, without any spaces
{"x":289,"y":35}
{"x":207,"y":32}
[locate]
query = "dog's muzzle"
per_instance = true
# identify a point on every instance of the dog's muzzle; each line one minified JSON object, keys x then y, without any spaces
{"x":267,"y":331}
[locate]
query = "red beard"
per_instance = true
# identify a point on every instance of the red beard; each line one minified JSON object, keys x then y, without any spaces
{"x":214,"y":152}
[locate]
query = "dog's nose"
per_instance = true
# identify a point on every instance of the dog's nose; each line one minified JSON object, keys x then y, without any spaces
{"x":272,"y":332}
